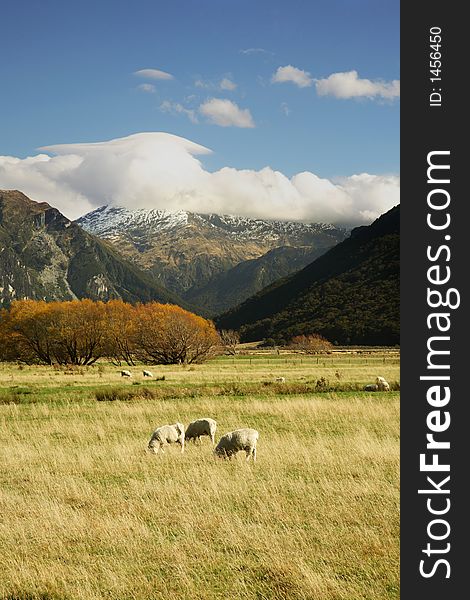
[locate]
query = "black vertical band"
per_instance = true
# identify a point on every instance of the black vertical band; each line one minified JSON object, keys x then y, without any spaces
{"x":433,"y":120}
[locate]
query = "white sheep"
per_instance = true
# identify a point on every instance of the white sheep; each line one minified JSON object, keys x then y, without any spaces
{"x":281,"y":379}
{"x":235,"y":441}
{"x":201,"y":427}
{"x":126,"y":374}
{"x":147,"y":373}
{"x":371,"y":387}
{"x":167,"y":434}
{"x":382,"y":385}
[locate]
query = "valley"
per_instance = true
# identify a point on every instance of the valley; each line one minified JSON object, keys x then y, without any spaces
{"x":209,"y":259}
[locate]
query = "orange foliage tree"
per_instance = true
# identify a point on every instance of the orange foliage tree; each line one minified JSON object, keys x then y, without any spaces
{"x":120,"y":332}
{"x":79,"y":332}
{"x":55,"y":332}
{"x":313,"y":343}
{"x":25,"y":332}
{"x":168,"y":334}
{"x":10,"y":347}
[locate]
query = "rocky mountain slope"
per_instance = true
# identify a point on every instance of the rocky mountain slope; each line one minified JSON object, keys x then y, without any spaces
{"x":193,"y":254}
{"x":43,"y":255}
{"x":231,"y":287}
{"x":350,"y":294}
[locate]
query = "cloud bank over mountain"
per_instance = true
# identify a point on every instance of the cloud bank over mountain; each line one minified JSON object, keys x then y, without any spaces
{"x":163,"y":171}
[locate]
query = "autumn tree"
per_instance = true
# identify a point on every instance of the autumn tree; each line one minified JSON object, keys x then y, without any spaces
{"x":168,"y":334}
{"x":55,"y":332}
{"x":120,"y":326}
{"x":10,"y":345}
{"x":230,"y":340}
{"x":312,"y":343}
{"x":25,"y":334}
{"x":78,"y":330}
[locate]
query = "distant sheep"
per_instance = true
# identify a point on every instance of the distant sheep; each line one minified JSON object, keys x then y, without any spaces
{"x":372,"y":387}
{"x":382,"y":385}
{"x":167,"y":434}
{"x":200,"y":427}
{"x":126,"y":374}
{"x":147,"y":373}
{"x":281,"y":379}
{"x":235,"y":441}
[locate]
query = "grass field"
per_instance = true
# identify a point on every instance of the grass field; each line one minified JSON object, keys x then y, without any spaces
{"x":88,"y":514}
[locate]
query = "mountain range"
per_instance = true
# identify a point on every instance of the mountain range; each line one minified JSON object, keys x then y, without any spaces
{"x":212,"y":261}
{"x":265,"y":279}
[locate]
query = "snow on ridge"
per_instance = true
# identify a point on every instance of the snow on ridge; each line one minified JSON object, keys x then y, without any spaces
{"x":109,"y":220}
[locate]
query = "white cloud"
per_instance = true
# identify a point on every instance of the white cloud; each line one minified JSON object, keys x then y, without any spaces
{"x":153,"y":74}
{"x":228,"y":84}
{"x":371,"y":195}
{"x":44,"y":179}
{"x":226,"y":113}
{"x":285,"y":109}
{"x":225,"y":84}
{"x":160,"y":170}
{"x":350,"y":85}
{"x":148,"y":88}
{"x":256,"y":51}
{"x":292,"y":74}
{"x":175,"y":108}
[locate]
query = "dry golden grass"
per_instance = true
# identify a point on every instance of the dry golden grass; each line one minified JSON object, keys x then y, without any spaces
{"x":88,"y":514}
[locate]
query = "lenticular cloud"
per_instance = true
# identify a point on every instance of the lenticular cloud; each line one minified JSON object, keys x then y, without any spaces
{"x":163,"y":171}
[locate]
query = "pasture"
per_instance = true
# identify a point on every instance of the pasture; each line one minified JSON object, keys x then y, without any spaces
{"x":88,"y":514}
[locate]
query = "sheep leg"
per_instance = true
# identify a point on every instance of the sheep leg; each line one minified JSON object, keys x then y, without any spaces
{"x":253,"y":453}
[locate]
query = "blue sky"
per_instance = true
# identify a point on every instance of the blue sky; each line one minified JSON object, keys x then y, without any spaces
{"x":68,"y":76}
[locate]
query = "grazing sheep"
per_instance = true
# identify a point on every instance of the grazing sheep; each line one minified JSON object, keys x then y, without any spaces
{"x":235,"y":441}
{"x":126,"y":374}
{"x":201,"y":427}
{"x":167,"y":434}
{"x":147,"y":373}
{"x":371,"y":387}
{"x":281,"y":379}
{"x":382,"y":385}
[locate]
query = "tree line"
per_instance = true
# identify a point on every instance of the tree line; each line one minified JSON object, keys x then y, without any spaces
{"x":79,"y":332}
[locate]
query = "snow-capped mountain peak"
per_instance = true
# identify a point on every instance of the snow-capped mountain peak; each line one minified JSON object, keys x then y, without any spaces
{"x":186,"y":250}
{"x":110,"y":220}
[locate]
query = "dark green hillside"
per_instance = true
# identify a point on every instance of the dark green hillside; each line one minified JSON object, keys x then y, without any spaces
{"x":44,"y":256}
{"x":350,"y":294}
